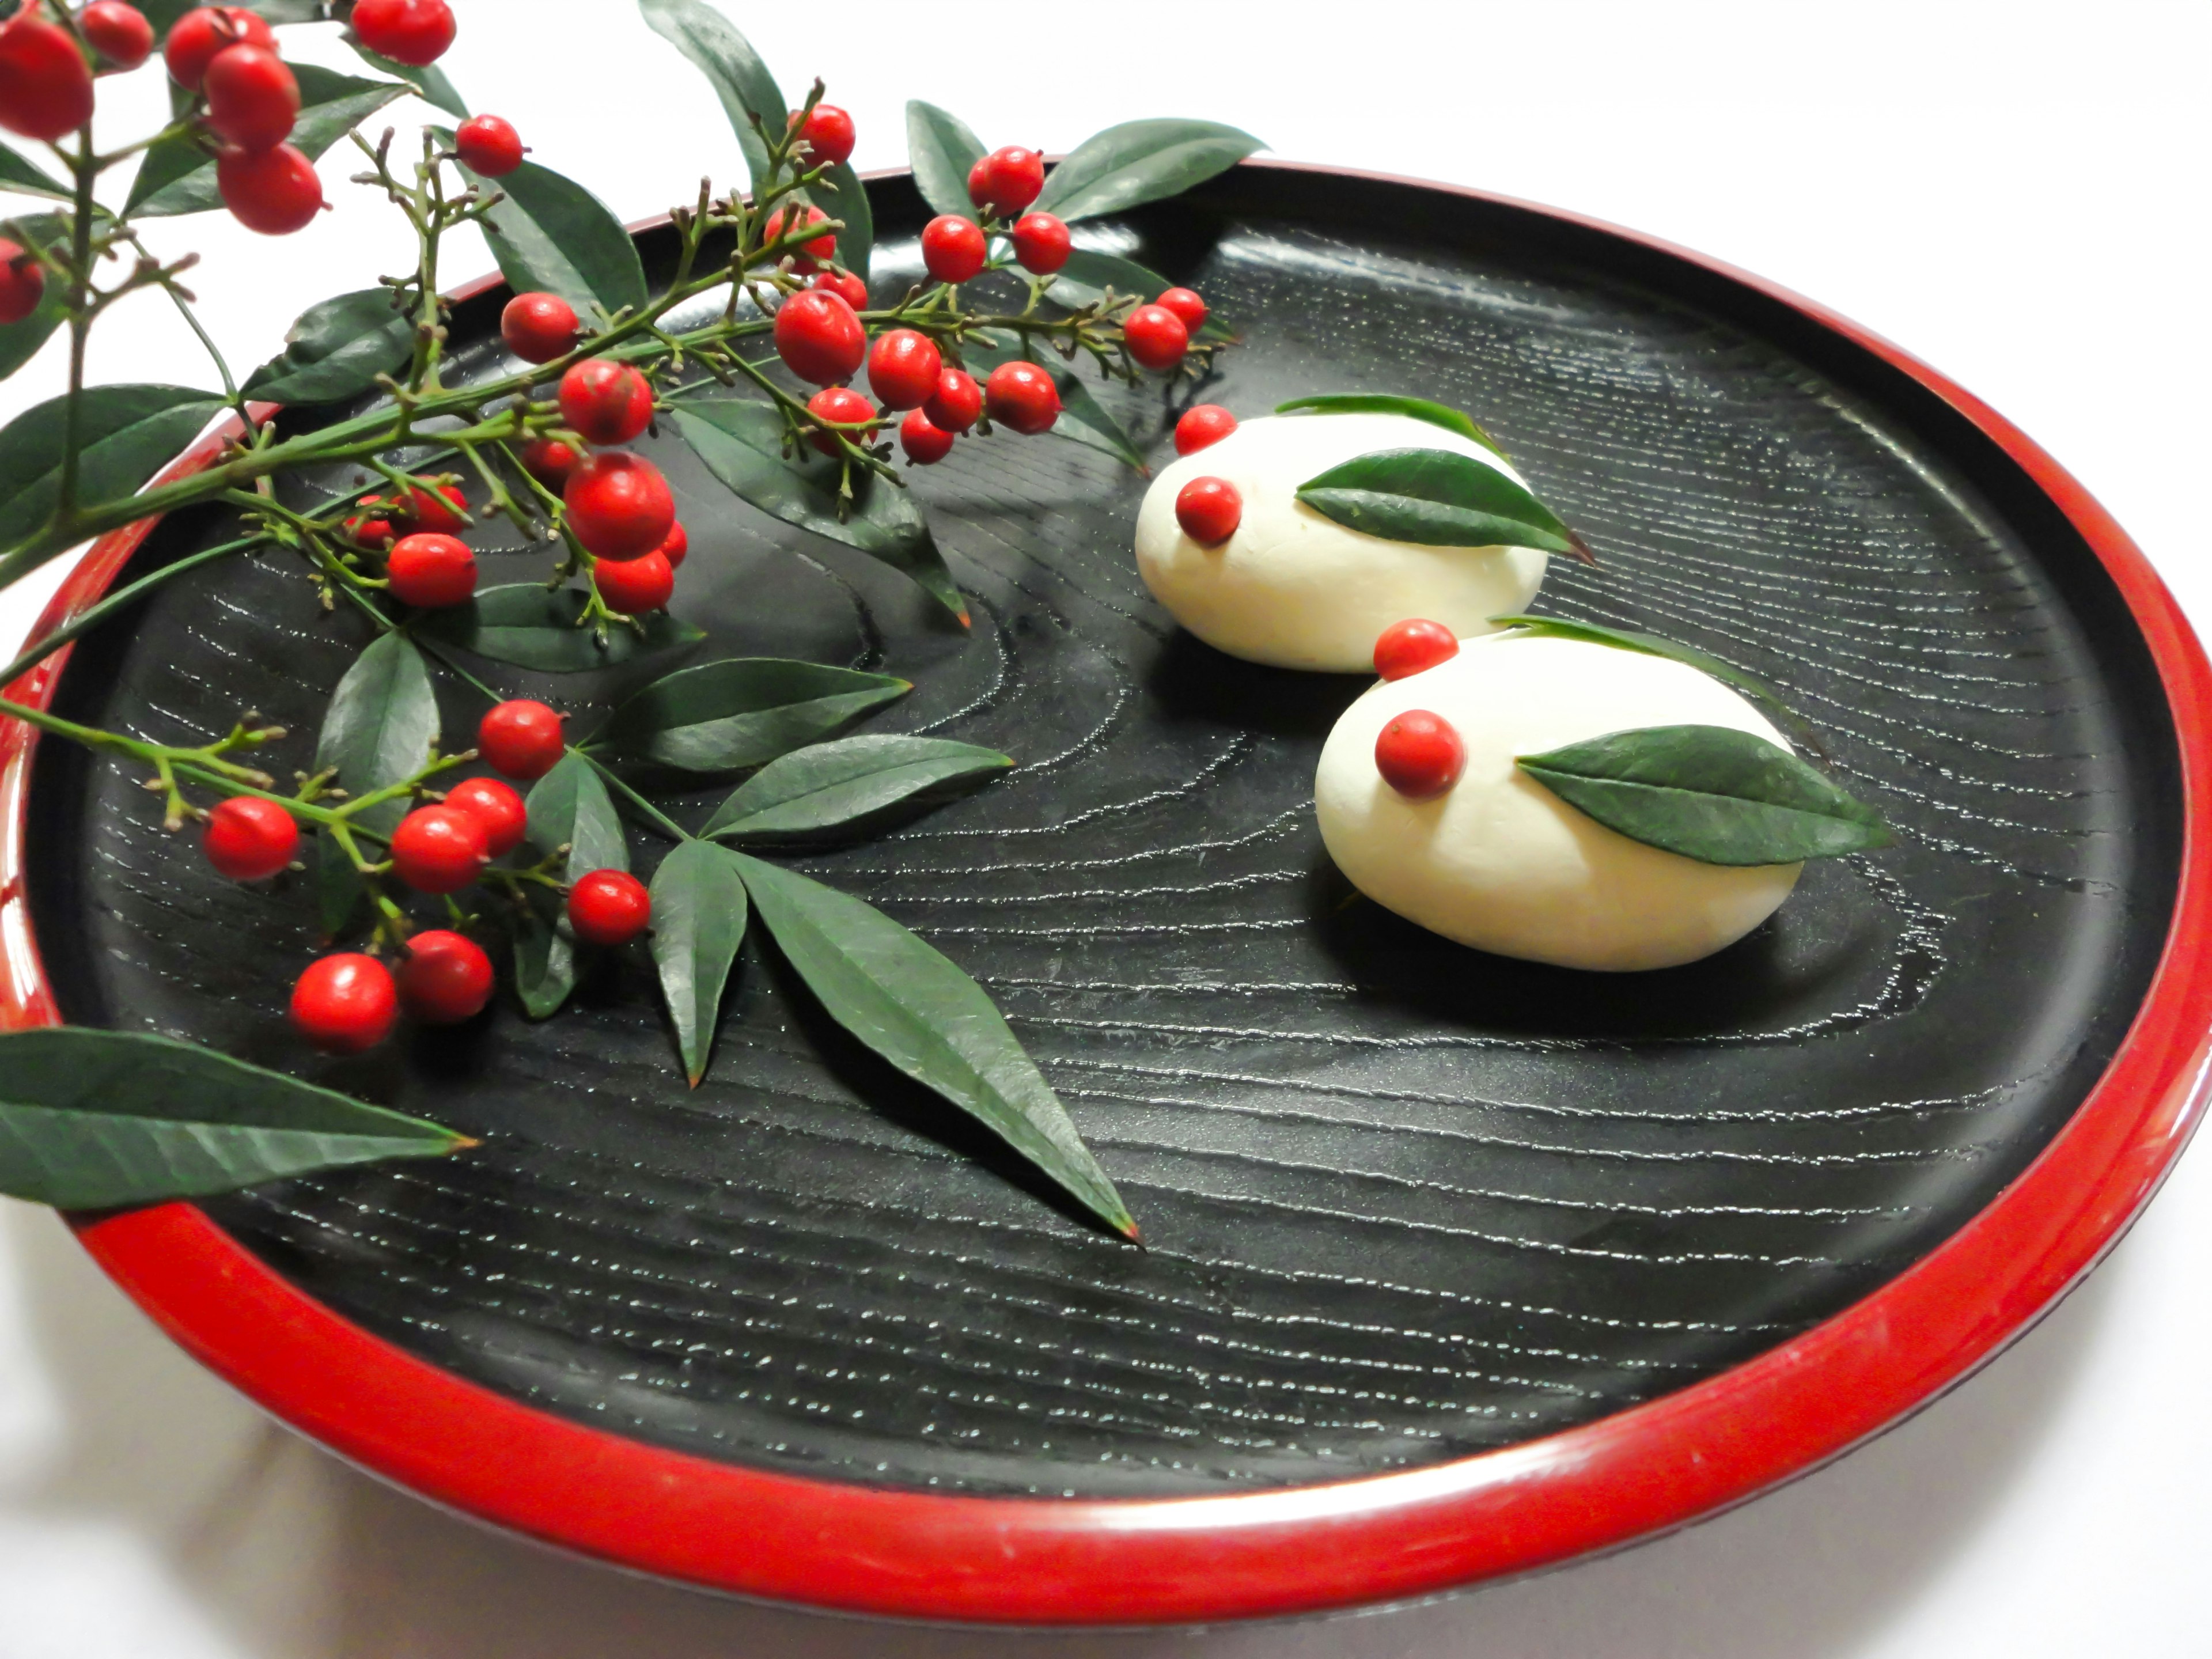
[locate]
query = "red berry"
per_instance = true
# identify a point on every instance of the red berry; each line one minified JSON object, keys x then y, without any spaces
{"x":118,"y":32}
{"x":439,"y":849}
{"x":957,"y":403}
{"x":609,"y":907}
{"x":902,"y":369}
{"x":432,"y":570}
{"x":416,"y":32}
{"x":1156,"y":337}
{"x":926,"y":443}
{"x":1409,"y":647}
{"x":1186,"y":304}
{"x":819,"y":338}
{"x":521,"y":739}
{"x":843,"y":406}
{"x":538,"y":327}
{"x":953,"y":247}
{"x":804,"y":255}
{"x":1202,"y":424}
{"x":445,"y":977}
{"x":1041,"y":243}
{"x":550,"y":460}
{"x":619,"y":505}
{"x":489,"y":146}
{"x":496,"y":807}
{"x":252,"y":100}
{"x":371,"y":532}
{"x":250,"y":839}
{"x":199,"y":34}
{"x":1007,"y":179}
{"x":677,"y":547}
{"x":828,"y":134}
{"x":635,"y":587}
{"x":22,"y":283}
{"x":45,"y":85}
{"x":275,"y":192}
{"x":846,"y":286}
{"x":1419,"y":755}
{"x":345,"y":1003}
{"x":440,"y":509}
{"x":1022,"y":395}
{"x":607,"y":402}
{"x":1209,"y":510}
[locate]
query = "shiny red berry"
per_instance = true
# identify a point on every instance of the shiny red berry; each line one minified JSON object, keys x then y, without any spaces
{"x":45,"y":85}
{"x":440,"y":509}
{"x":619,"y":505}
{"x":828,"y":134}
{"x":1187,"y":304}
{"x":250,"y":839}
{"x":345,"y":1003}
{"x":902,"y":369}
{"x":1409,"y":647}
{"x":118,"y":32}
{"x":1041,"y":243}
{"x":957,"y":403}
{"x":635,"y":587}
{"x":22,"y":283}
{"x":550,"y":460}
{"x":607,"y":402}
{"x":1156,"y":337}
{"x":1007,"y":179}
{"x":432,"y":570}
{"x":677,"y":547}
{"x":199,"y":34}
{"x":819,"y":338}
{"x":1209,"y":510}
{"x":496,"y":807}
{"x":843,"y":406}
{"x":370,"y":530}
{"x":538,"y":327}
{"x":1202,"y":425}
{"x":439,"y":849}
{"x":521,"y":739}
{"x":1022,"y":395}
{"x":924,"y":442}
{"x":275,"y":192}
{"x":489,"y":146}
{"x":796,"y":220}
{"x":445,"y":977}
{"x":1419,"y":755}
{"x":609,"y":907}
{"x":846,"y":286}
{"x":252,"y":100}
{"x":952,"y":248}
{"x":415,"y":32}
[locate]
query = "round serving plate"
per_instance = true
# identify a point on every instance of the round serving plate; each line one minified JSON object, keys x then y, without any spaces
{"x":1454,"y":1267}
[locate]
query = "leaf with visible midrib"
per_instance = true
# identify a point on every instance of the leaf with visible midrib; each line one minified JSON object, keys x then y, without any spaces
{"x":1083,"y":418}
{"x":427,"y":81}
{"x":1383,"y":402}
{"x":569,"y":807}
{"x":1089,"y":275}
{"x":532,"y":627}
{"x":912,"y":1005}
{"x":1140,"y":161}
{"x":1566,"y":628}
{"x":379,"y":728}
{"x":829,"y":784}
{"x":177,"y":174}
{"x":741,"y":80}
{"x":1709,"y":792}
{"x":17,"y":172}
{"x":1437,"y":498}
{"x":698,"y":923}
{"x":552,"y":235}
{"x":840,"y":194}
{"x":20,"y":340}
{"x":128,"y":432}
{"x":337,"y":350}
{"x":723,"y":716}
{"x":91,"y":1119}
{"x":941,"y":149}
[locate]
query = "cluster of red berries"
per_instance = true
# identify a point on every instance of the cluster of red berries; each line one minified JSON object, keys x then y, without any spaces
{"x":1419,"y":754}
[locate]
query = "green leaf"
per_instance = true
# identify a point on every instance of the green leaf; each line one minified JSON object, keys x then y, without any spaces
{"x":1382,"y":403}
{"x":741,"y":440}
{"x":337,"y":350}
{"x":840,"y":194}
{"x":722,"y":716}
{"x":829,"y":784}
{"x":552,"y":236}
{"x":525,"y":624}
{"x":19,"y":174}
{"x":1089,"y":275}
{"x":1566,"y":628}
{"x":427,"y":82}
{"x":1083,"y":418}
{"x":163,"y":14}
{"x":380,"y":729}
{"x":1709,"y":792}
{"x":128,"y":432}
{"x":698,"y":923}
{"x":92,"y":1119}
{"x":569,"y":807}
{"x":545,"y":957}
{"x":941,"y":149}
{"x":732,"y":67}
{"x":20,"y":340}
{"x":1140,"y":162}
{"x":914,"y":1007}
{"x":1437,"y":498}
{"x":177,"y":175}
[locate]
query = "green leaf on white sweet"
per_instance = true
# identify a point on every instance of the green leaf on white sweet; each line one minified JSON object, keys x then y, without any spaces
{"x":1709,"y":792}
{"x":741,"y":440}
{"x":529,"y":626}
{"x":1382,"y":402}
{"x":827,"y":785}
{"x":20,"y":175}
{"x":915,"y":1008}
{"x":178,"y":174}
{"x":92,"y":1119}
{"x":1083,"y":418}
{"x":127,"y":434}
{"x":724,"y":716}
{"x":840,"y":194}
{"x":741,"y":80}
{"x":698,"y":923}
{"x":1140,"y":161}
{"x":941,"y":150}
{"x":550,"y":235}
{"x":337,"y":350}
{"x":378,"y":730}
{"x":426,"y":80}
{"x":1437,"y":498}
{"x":20,"y":340}
{"x":1566,"y":628}
{"x":569,"y":807}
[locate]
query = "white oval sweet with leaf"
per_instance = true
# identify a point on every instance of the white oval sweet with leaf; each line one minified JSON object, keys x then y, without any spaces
{"x":1293,"y":587}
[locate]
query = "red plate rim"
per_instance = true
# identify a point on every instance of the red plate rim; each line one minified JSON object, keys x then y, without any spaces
{"x":1048,"y":1561}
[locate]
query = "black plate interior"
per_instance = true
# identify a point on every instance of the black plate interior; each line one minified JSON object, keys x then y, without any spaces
{"x":1404,"y":1202}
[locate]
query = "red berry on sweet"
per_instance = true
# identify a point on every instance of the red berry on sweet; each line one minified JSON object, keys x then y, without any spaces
{"x":22,"y":283}
{"x":439,"y":849}
{"x":1209,"y":510}
{"x":252,"y":100}
{"x":1041,"y":243}
{"x":803,"y":257}
{"x":924,"y":442}
{"x":677,"y":547}
{"x":635,"y":587}
{"x":828,"y":134}
{"x":609,"y":907}
{"x":538,"y":327}
{"x":45,"y":85}
{"x":819,"y":338}
{"x":1022,"y":395}
{"x":489,"y":146}
{"x":606,"y":402}
{"x":619,"y":505}
{"x":445,"y":977}
{"x":521,"y":739}
{"x":1419,"y":755}
{"x":275,"y":192}
{"x":439,"y":509}
{"x":902,"y":369}
{"x":250,"y":839}
{"x":846,"y":286}
{"x":415,"y":32}
{"x":1187,"y":304}
{"x":118,"y":32}
{"x":196,"y":38}
{"x":1009,"y":179}
{"x":1409,"y":647}
{"x":952,"y":248}
{"x":345,"y":1003}
{"x":550,"y":460}
{"x":496,"y":807}
{"x":1202,"y":425}
{"x":1156,"y":337}
{"x":432,"y":570}
{"x":957,"y":403}
{"x":843,"y":406}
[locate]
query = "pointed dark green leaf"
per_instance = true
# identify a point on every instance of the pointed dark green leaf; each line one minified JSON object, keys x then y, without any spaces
{"x":1140,"y":161}
{"x":1090,"y":276}
{"x":20,"y":175}
{"x":177,"y":175}
{"x":569,"y":807}
{"x":552,"y":235}
{"x":1709,"y":792}
{"x":524,"y":623}
{"x":1437,"y":498}
{"x":829,"y":784}
{"x":20,"y":340}
{"x":379,"y":728}
{"x":941,"y":149}
{"x":912,"y":1005}
{"x":545,"y":957}
{"x":723,"y":716}
{"x":741,"y":80}
{"x":840,"y":194}
{"x":129,"y":433}
{"x":426,"y":80}
{"x":1566,"y":628}
{"x":1381,"y":402}
{"x":698,"y":923}
{"x":337,"y":350}
{"x":1083,"y":418}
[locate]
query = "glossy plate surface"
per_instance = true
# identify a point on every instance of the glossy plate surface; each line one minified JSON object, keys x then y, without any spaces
{"x":1457,"y":1266}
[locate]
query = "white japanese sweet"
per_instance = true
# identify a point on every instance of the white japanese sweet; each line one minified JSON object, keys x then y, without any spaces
{"x":1295,"y":589}
{"x":1499,"y":862}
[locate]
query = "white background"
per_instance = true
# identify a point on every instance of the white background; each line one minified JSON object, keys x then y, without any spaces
{"x":2016,"y":191}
